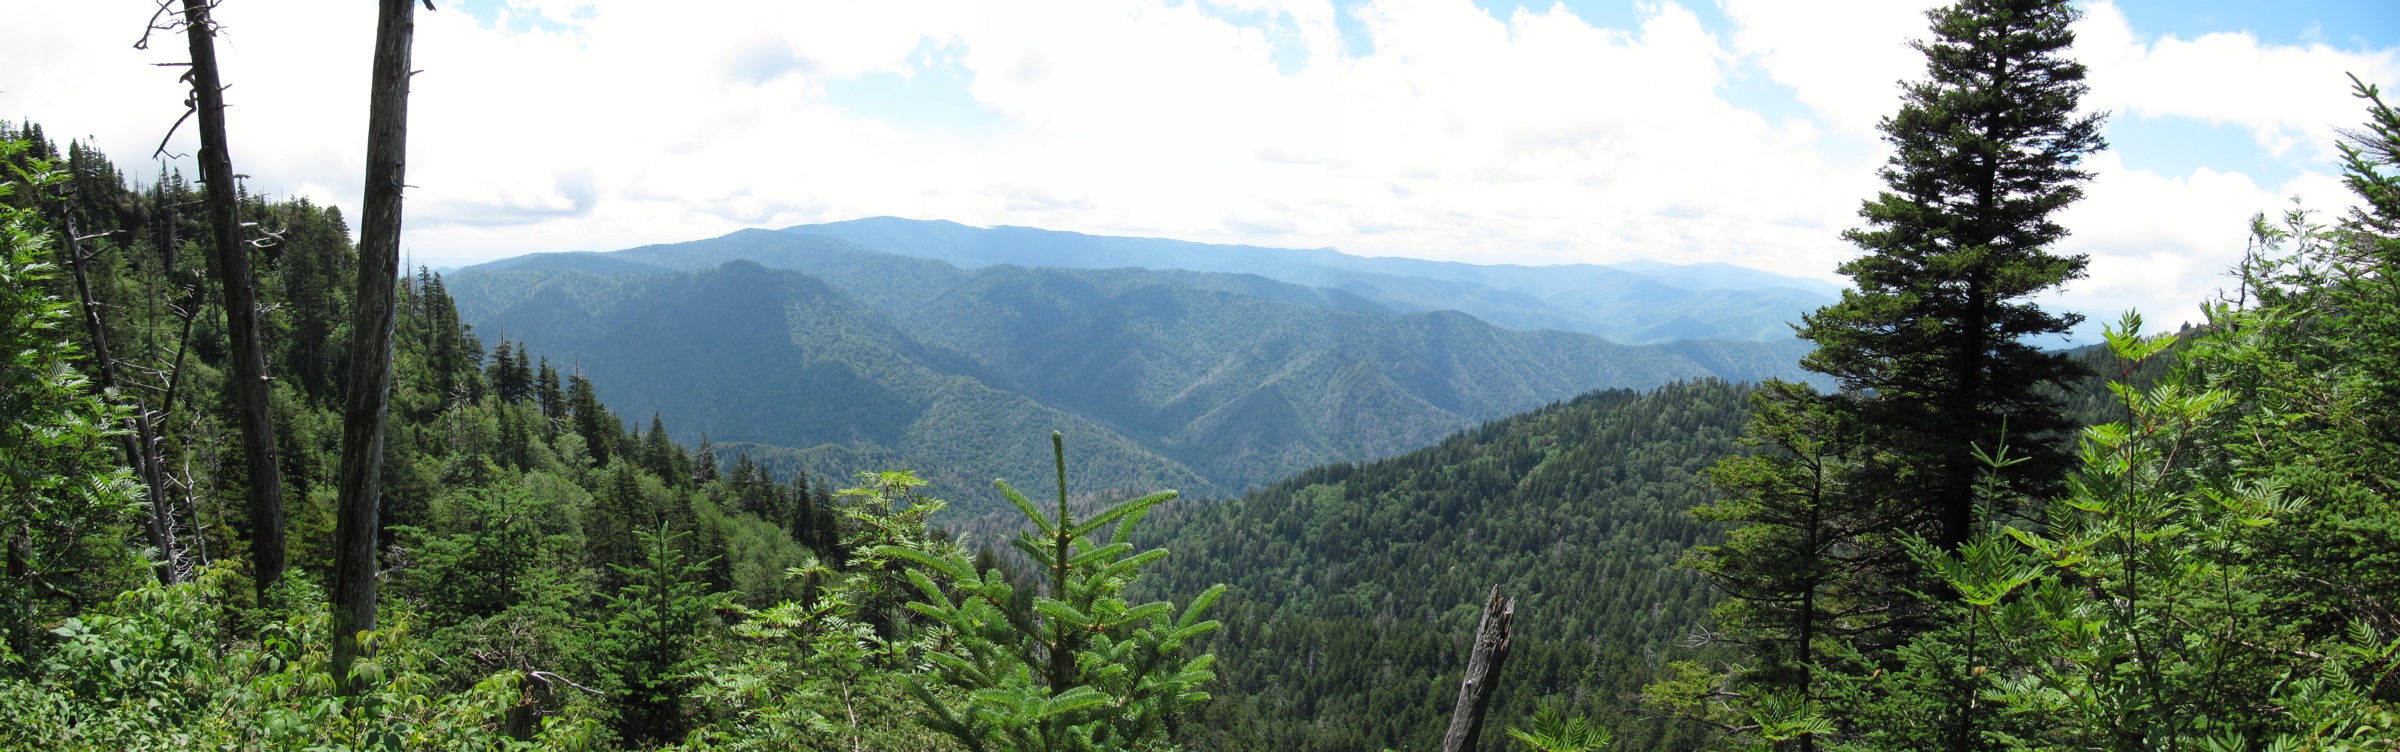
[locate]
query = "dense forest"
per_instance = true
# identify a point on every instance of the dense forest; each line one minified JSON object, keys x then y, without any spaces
{"x":1353,"y":585}
{"x":1204,"y":382}
{"x":224,"y":530}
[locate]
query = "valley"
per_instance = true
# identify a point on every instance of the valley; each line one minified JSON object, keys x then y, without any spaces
{"x":822,"y":351}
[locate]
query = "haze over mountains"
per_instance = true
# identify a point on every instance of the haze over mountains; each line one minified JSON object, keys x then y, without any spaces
{"x":864,"y":345}
{"x":1636,"y":302}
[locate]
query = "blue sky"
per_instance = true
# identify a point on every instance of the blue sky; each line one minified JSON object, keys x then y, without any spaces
{"x":1738,"y":131}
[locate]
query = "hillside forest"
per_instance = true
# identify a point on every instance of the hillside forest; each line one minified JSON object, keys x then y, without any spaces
{"x":262,"y":488}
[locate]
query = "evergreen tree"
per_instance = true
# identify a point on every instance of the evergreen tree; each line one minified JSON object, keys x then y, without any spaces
{"x":510,"y":378}
{"x":453,"y":350}
{"x":826,"y":524}
{"x":649,"y":648}
{"x":659,"y":454}
{"x":801,"y":517}
{"x":1791,"y":574}
{"x":704,"y":463}
{"x":1932,"y":342}
{"x":545,"y":390}
{"x":2315,"y":346}
{"x":620,"y":511}
{"x":598,"y":427}
{"x":1083,"y":668}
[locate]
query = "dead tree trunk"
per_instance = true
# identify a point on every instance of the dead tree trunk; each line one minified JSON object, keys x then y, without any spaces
{"x":20,"y":576}
{"x":137,"y":441}
{"x":250,"y":385}
{"x":1483,"y":673}
{"x":368,"y":388}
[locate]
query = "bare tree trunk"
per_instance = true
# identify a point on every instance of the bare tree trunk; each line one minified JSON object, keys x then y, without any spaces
{"x":136,"y":443}
{"x":250,"y":385}
{"x":520,"y":720}
{"x":20,"y":577}
{"x":1483,"y":673}
{"x":368,"y":388}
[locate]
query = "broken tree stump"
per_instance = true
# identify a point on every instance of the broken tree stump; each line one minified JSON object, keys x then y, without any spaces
{"x":1483,"y":673}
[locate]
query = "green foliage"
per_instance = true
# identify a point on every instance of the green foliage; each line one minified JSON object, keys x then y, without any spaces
{"x":655,"y":639}
{"x":1351,"y":590}
{"x":2216,"y":575}
{"x":65,"y":498}
{"x":2219,"y":573}
{"x":157,"y":668}
{"x":2134,"y":619}
{"x":2309,"y":348}
{"x":1164,"y":380}
{"x":1552,"y":730}
{"x":491,"y":503}
{"x":1073,"y":666}
{"x":1930,"y":351}
{"x":1931,"y":345}
{"x":502,"y":584}
{"x":1794,"y":574}
{"x":831,"y":669}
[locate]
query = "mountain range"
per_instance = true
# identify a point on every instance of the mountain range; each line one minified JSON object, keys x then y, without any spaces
{"x":814,"y":352}
{"x":1635,"y":302}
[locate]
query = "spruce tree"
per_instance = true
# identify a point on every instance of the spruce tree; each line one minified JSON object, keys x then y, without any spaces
{"x":1792,"y":572}
{"x":704,"y":463}
{"x":547,"y":392}
{"x":653,"y":648}
{"x":599,"y":429}
{"x":510,"y":377}
{"x":1932,"y":343}
{"x":658,"y":454}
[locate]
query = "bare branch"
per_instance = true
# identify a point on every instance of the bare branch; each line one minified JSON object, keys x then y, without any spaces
{"x":548,"y":677}
{"x":188,"y":109}
{"x":173,"y":23}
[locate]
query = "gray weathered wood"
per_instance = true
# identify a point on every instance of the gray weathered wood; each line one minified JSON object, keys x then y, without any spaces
{"x":136,"y":441}
{"x":367,"y":392}
{"x":249,"y":380}
{"x":1483,"y":673}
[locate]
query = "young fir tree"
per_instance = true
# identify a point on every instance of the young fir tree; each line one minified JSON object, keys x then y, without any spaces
{"x":650,"y":649}
{"x":1932,"y":342}
{"x":1070,"y":665}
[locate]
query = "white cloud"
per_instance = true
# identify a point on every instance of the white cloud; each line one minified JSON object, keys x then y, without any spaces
{"x":1847,"y":66}
{"x":1533,"y":138}
{"x":2288,"y":96}
{"x":2162,"y":244}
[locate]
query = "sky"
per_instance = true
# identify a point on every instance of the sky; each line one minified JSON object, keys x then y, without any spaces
{"x":1487,"y":131}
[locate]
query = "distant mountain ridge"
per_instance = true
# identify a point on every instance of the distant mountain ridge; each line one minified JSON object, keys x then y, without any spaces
{"x":1203,"y":381}
{"x":1638,"y":302}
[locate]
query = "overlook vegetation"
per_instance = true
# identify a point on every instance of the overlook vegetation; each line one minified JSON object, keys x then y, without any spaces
{"x":1933,"y":535}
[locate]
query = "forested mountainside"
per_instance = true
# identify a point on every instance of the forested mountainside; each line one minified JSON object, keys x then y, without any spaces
{"x":1358,"y":583}
{"x":1948,"y":549}
{"x":1635,"y":303}
{"x":750,"y":354}
{"x":1202,"y":382}
{"x":514,"y":516}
